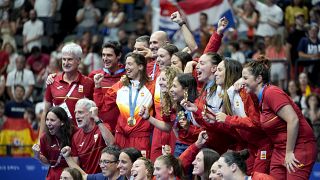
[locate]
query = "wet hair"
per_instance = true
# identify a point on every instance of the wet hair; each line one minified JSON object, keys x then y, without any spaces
{"x":184,"y":57}
{"x":209,"y":157}
{"x":170,"y":161}
{"x":233,"y":72}
{"x":166,"y":101}
{"x":133,"y":153}
{"x":149,"y":166}
{"x":112,"y":150}
{"x":74,"y":49}
{"x":239,"y":158}
{"x":215,"y":59}
{"x":139,"y":60}
{"x":187,"y":81}
{"x":75,"y":173}
{"x":115,"y":45}
{"x":170,"y":48}
{"x":261,"y":66}
{"x":65,"y":129}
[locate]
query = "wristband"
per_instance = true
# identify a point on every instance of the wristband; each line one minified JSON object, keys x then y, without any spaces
{"x":98,"y":122}
{"x":181,"y":23}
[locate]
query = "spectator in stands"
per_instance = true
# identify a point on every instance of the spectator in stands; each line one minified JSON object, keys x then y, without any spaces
{"x":16,"y":108}
{"x":297,"y":6}
{"x":69,"y":86}
{"x":7,"y":29}
{"x":295,"y":94}
{"x":245,"y":46}
{"x":308,"y":49}
{"x":313,"y":108}
{"x":277,"y":51}
{"x":87,"y":18}
{"x":93,"y":135}
{"x":236,"y":54}
{"x":112,"y":21}
{"x":141,"y":29}
{"x":260,"y":49}
{"x":2,"y":116}
{"x":58,"y":133}
{"x":2,"y":87}
{"x":4,"y":56}
{"x":203,"y":33}
{"x":32,"y":32}
{"x":108,"y":163}
{"x":37,"y":62}
{"x":21,"y":76}
{"x":46,"y":10}
{"x":270,"y":17}
{"x":247,"y":19}
{"x":304,"y":85}
{"x":294,"y":37}
{"x":92,"y":61}
{"x":71,"y":174}
{"x":9,"y":48}
{"x":30,"y":116}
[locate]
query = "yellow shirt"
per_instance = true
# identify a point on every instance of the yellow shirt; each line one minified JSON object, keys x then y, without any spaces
{"x":292,"y":10}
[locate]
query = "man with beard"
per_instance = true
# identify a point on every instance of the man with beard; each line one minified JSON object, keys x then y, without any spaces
{"x":112,"y":72}
{"x":32,"y":32}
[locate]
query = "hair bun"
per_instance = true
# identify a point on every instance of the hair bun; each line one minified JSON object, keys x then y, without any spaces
{"x":244,"y":154}
{"x":264,"y":60}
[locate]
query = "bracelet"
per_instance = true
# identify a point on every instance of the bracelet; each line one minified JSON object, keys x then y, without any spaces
{"x":181,"y":23}
{"x":98,"y":122}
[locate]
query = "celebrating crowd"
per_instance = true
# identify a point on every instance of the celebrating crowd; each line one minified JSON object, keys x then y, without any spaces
{"x":157,"y":112}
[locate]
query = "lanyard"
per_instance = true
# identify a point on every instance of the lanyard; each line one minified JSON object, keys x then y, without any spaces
{"x":59,"y":158}
{"x":153,"y":70}
{"x":70,"y":91}
{"x":133,"y":105}
{"x":261,"y":93}
{"x":209,"y":84}
{"x":117,"y":71}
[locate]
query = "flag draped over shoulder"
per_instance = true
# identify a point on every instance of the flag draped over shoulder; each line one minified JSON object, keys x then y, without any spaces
{"x":192,"y":9}
{"x":19,"y":134}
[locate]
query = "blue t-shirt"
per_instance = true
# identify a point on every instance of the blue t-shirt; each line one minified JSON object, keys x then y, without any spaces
{"x":16,"y":110}
{"x":100,"y":176}
{"x":308,"y":47}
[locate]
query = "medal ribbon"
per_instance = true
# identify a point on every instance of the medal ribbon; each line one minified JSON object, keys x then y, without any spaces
{"x":117,"y":71}
{"x":133,"y":105}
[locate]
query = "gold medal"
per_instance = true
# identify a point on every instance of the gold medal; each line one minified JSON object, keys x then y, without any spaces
{"x":180,"y":115}
{"x":131,"y":121}
{"x":185,"y":95}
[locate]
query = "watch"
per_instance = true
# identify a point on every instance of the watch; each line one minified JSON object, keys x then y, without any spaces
{"x":98,"y":122}
{"x":181,"y":23}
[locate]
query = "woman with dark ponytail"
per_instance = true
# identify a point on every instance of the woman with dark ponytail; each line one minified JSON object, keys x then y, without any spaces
{"x":294,"y":143}
{"x":232,"y":166}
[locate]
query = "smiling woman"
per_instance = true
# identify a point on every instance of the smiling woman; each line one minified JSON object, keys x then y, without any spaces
{"x":142,"y":169}
{"x":57,"y":135}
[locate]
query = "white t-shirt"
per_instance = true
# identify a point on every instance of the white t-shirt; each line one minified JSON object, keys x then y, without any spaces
{"x":24,"y":78}
{"x":43,"y":8}
{"x":273,"y":13}
{"x":31,"y":30}
{"x":238,"y":56}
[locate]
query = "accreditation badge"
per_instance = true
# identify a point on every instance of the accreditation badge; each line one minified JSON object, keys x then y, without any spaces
{"x":80,"y":89}
{"x":263,"y":155}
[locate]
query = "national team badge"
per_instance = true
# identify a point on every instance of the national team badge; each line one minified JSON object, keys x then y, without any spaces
{"x":263,"y":155}
{"x":80,"y":89}
{"x":142,"y":94}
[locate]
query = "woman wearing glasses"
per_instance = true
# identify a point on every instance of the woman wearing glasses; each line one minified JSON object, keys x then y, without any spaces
{"x":58,"y":134}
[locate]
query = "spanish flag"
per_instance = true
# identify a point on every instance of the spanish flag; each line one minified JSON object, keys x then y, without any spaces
{"x":17,"y":134}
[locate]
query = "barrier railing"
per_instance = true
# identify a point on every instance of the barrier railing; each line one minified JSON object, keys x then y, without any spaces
{"x":303,"y":62}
